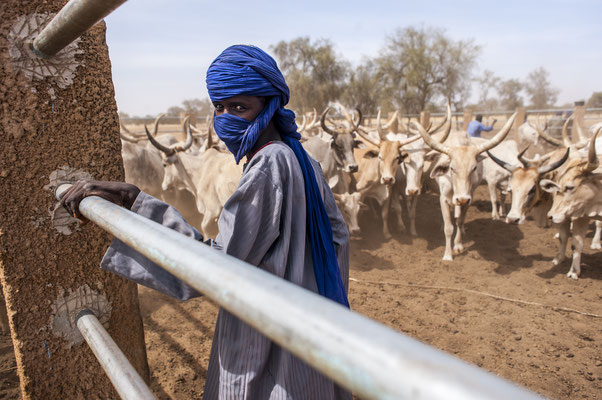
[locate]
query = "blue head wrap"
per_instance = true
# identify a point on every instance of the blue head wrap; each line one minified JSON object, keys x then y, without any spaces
{"x":248,"y":70}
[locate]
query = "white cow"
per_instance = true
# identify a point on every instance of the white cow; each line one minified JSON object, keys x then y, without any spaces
{"x":458,"y":172}
{"x":577,"y":198}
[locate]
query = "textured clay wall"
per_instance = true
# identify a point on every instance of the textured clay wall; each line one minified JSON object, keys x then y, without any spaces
{"x":46,"y":122}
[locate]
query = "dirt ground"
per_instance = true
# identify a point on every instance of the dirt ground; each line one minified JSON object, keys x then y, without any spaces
{"x":404,"y":284}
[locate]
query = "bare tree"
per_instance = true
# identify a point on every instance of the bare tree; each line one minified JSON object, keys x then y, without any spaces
{"x":314,"y":73}
{"x":486,"y":83}
{"x":509,"y":91}
{"x":540,"y":90}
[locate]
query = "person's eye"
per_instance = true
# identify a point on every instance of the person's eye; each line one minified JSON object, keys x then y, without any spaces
{"x":239,"y":108}
{"x":218,"y":107}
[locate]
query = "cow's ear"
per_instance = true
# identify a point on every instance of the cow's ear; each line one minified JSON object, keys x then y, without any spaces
{"x":371,"y":153}
{"x":549,"y":185}
{"x":403,"y":155}
{"x":431,"y":155}
{"x":357,"y":143}
{"x":481,"y":157}
{"x":441,"y":168}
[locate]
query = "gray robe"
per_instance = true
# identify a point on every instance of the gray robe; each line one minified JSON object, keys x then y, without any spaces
{"x":263,"y":223}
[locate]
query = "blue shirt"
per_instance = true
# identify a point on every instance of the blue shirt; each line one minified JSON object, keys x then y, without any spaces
{"x":475,"y":128}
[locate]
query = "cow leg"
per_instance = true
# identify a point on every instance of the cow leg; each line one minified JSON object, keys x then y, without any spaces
{"x":412,"y":201}
{"x":385,"y":216}
{"x":563,"y":238}
{"x":493,"y":197}
{"x":596,"y":245}
{"x":397,"y":208}
{"x":448,"y":228}
{"x":458,"y":246}
{"x":502,"y":203}
{"x":580,"y":226}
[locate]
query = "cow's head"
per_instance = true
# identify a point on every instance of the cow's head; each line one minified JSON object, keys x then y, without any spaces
{"x":577,"y":187}
{"x":343,"y":140}
{"x":462,"y":161}
{"x":350,"y":204}
{"x":526,"y":192}
{"x":175,"y":177}
{"x":390,"y":155}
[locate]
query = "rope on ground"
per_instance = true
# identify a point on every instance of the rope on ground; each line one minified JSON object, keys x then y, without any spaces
{"x":530,"y":303}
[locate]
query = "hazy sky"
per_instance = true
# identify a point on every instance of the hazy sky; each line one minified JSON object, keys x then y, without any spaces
{"x":160,"y":49}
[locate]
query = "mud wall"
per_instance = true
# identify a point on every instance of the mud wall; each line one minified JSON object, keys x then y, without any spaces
{"x":49,"y":121}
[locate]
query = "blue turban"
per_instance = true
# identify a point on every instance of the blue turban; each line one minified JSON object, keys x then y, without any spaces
{"x":248,"y":70}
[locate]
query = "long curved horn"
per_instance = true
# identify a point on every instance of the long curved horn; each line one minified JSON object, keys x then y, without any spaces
{"x":156,"y":127}
{"x":447,"y":123}
{"x":592,"y":159}
{"x":303,"y":125}
{"x":366,"y":137}
{"x":565,"y":132}
{"x":167,"y":150}
{"x":314,"y":119}
{"x":349,"y":119}
{"x":433,"y":144}
{"x":323,"y":123}
{"x":526,"y":163}
{"x":196,"y":130}
{"x":186,"y":126}
{"x":436,"y":128}
{"x":392,"y":120}
{"x":544,"y":169}
{"x":508,"y":167}
{"x":128,"y":138}
{"x":359,"y":117}
{"x":210,"y":130}
{"x":126,"y":130}
{"x":501,"y":135}
{"x":545,"y":136}
{"x":379,"y":128}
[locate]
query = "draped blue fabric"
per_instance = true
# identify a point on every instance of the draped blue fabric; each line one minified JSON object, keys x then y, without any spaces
{"x":248,"y":70}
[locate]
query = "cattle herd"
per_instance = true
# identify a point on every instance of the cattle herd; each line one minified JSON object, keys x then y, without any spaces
{"x":387,"y":166}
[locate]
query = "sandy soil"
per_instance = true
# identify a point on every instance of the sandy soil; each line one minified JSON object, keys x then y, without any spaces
{"x":556,"y":353}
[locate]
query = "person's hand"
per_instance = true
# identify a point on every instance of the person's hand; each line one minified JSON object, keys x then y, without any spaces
{"x":493,"y":123}
{"x":120,"y":193}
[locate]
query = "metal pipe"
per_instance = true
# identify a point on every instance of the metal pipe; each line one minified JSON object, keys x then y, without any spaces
{"x":74,"y":19}
{"x":124,"y":377}
{"x":360,"y":354}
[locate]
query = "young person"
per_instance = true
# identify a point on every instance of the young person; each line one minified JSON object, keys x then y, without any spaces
{"x":282,"y":218}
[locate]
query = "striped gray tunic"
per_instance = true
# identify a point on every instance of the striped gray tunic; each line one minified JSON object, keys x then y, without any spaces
{"x":263,"y":223}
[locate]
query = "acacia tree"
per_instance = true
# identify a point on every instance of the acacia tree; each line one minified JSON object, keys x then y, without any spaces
{"x":313,"y":71}
{"x":486,"y":83}
{"x":509,"y":91}
{"x":421,"y":64}
{"x":595,"y":101}
{"x":363,"y":89}
{"x":540,"y":90}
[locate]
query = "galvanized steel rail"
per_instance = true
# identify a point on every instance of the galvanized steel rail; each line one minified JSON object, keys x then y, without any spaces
{"x":74,"y":19}
{"x":372,"y":360}
{"x":124,"y":377}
